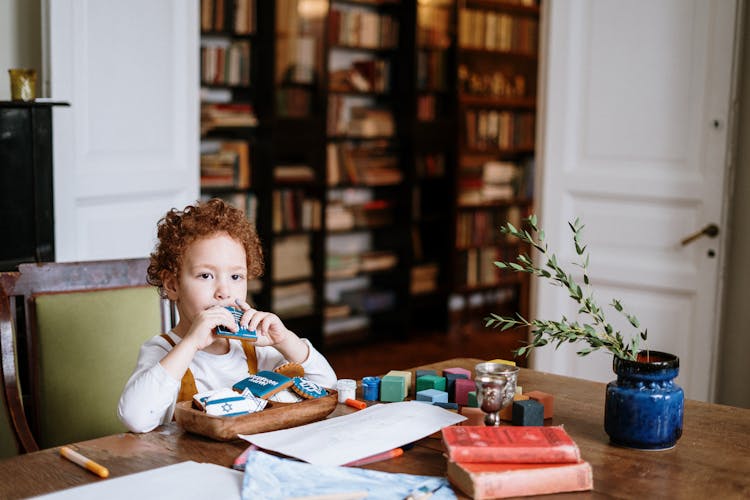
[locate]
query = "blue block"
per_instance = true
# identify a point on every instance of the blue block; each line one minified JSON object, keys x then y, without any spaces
{"x":432,"y":396}
{"x":528,"y":412}
{"x":447,"y":406}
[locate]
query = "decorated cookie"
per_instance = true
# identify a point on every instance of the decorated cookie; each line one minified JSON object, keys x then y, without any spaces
{"x":308,"y":389}
{"x":226,"y":403}
{"x":290,"y":369}
{"x":242,"y":333}
{"x":286,"y":396}
{"x":263,"y":384}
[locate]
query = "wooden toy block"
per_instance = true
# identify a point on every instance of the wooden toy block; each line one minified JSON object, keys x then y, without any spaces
{"x":447,"y":405}
{"x":547,"y":400}
{"x":422,"y":373}
{"x":407,"y":379}
{"x":463,"y":387}
{"x":503,"y":361}
{"x":430,"y":382}
{"x":432,"y":396}
{"x":450,"y":383}
{"x":471,"y":399}
{"x":528,"y":412}
{"x":457,"y":371}
{"x":507,"y":412}
{"x":474,"y":416}
{"x":392,"y":388}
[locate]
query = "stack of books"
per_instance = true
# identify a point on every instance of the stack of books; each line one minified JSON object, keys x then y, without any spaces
{"x":508,"y":461}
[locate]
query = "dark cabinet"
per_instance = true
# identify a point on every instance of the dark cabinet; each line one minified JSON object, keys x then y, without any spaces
{"x":26,"y":210}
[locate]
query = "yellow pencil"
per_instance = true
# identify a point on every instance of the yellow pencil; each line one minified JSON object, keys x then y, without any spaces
{"x":84,"y":462}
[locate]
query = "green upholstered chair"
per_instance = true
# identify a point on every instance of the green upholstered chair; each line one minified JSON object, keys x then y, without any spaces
{"x":85,"y":324}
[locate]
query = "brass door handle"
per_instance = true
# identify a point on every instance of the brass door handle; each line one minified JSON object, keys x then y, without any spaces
{"x":711,"y":230}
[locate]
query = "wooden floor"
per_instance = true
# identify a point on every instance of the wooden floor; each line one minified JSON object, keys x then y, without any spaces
{"x":467,"y":340}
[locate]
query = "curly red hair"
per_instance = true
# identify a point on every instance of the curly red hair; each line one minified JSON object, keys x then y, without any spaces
{"x":180,"y":228}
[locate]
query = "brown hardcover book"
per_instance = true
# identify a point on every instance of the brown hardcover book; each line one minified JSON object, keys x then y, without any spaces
{"x":492,"y":480}
{"x":509,"y":444}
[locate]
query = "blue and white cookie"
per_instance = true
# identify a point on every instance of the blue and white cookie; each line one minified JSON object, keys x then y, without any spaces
{"x":263,"y":384}
{"x":308,"y":389}
{"x":242,"y":333}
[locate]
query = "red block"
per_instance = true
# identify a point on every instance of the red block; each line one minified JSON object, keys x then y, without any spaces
{"x":463,"y":387}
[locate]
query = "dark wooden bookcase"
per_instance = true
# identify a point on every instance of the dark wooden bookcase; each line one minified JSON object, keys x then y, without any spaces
{"x":358,"y":157}
{"x":497,"y":60}
{"x":26,"y":209}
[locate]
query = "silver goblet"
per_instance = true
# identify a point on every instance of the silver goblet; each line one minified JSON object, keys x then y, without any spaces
{"x":496,"y":385}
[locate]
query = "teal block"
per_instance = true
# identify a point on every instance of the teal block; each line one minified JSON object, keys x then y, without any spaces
{"x":433,"y":396}
{"x":430,"y":382}
{"x":422,"y":373}
{"x":472,"y":399}
{"x":392,"y":388}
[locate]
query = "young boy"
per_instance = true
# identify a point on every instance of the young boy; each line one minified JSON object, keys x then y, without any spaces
{"x":203,"y":260}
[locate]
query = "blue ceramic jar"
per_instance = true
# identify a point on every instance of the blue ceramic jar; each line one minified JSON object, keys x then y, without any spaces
{"x":644,"y":407}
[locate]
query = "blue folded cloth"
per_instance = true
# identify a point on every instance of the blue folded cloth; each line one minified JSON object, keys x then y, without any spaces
{"x":271,"y":478}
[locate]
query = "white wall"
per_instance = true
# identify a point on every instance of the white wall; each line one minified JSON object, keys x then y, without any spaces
{"x":20,"y":40}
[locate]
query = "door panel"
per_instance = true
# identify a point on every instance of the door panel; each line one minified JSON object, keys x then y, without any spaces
{"x":126,"y":150}
{"x":634,"y":143}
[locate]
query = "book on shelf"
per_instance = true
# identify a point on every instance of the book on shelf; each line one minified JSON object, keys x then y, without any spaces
{"x":291,"y":257}
{"x":215,"y":115}
{"x":424,"y":278}
{"x":293,"y":173}
{"x":296,"y":299}
{"x":225,"y":163}
{"x":510,"y":444}
{"x":484,"y":481}
{"x":225,"y":62}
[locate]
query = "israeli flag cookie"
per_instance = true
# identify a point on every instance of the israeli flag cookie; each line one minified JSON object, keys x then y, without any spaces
{"x":256,"y":404}
{"x":308,"y":389}
{"x":242,"y":333}
{"x":263,"y":384}
{"x":227,"y":404}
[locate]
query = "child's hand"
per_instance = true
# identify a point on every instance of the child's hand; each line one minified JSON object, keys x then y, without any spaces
{"x":272,"y":332}
{"x":201,"y":333}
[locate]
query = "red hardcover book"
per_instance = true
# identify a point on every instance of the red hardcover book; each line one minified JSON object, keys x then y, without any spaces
{"x":510,"y":444}
{"x":485,"y":481}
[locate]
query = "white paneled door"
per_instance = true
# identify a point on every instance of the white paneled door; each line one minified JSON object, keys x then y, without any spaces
{"x":126,"y":150}
{"x":634,"y":140}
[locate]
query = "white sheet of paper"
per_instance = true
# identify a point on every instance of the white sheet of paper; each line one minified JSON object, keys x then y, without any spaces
{"x":186,"y":480}
{"x":340,"y":440}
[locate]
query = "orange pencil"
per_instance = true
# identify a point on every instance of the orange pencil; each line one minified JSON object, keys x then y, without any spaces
{"x":84,"y":462}
{"x":379,"y":457}
{"x":360,"y":405}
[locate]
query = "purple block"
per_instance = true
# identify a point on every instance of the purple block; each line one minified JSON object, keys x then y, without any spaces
{"x":458,"y":371}
{"x":463,"y":387}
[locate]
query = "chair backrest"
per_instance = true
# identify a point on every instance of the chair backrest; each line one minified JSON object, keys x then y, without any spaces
{"x":83,"y":325}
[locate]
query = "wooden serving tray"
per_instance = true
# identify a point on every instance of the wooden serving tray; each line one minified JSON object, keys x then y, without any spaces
{"x":273,"y":417}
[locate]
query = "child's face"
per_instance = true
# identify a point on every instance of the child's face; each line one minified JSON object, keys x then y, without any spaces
{"x":213,"y":272}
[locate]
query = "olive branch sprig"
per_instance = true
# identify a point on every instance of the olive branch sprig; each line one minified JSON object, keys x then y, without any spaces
{"x":599,"y":333}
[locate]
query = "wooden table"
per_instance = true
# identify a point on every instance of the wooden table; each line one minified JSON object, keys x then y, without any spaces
{"x":711,"y":460}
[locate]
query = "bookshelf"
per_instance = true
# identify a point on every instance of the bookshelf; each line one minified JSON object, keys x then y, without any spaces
{"x":433,"y":157}
{"x":496,"y":71}
{"x":378,"y":145}
{"x":367,"y":244}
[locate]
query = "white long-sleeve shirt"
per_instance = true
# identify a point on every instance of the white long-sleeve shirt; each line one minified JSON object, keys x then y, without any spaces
{"x":149,"y":397}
